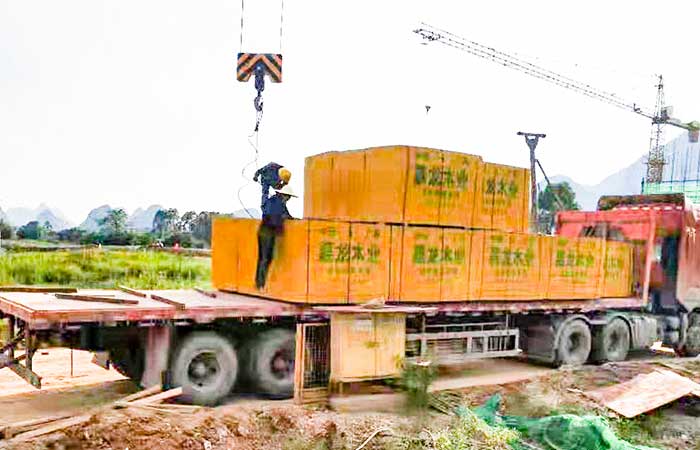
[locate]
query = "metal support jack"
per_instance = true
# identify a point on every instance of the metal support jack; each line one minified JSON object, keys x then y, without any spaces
{"x":8,"y":358}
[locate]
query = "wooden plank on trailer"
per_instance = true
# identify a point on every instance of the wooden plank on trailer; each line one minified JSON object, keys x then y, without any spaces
{"x":97,"y":298}
{"x":299,"y":364}
{"x":171,"y":302}
{"x":135,"y":292}
{"x":37,"y":289}
{"x":211,"y":294}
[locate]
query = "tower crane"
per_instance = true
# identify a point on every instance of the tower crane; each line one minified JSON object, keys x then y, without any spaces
{"x":660,"y":115}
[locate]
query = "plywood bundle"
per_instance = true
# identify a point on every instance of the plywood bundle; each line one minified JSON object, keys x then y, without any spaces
{"x":418,"y":186}
{"x":326,"y":262}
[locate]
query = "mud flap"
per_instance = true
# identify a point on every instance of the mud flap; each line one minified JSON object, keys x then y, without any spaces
{"x":157,"y":354}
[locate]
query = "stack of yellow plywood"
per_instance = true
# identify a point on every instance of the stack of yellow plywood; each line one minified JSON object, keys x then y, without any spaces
{"x":338,"y":262}
{"x":419,"y":186}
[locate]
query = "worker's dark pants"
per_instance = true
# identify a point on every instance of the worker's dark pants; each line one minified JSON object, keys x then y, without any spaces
{"x":266,"y":248}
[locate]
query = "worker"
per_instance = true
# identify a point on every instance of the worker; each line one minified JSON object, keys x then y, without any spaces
{"x":272,"y":176}
{"x":274,"y":213}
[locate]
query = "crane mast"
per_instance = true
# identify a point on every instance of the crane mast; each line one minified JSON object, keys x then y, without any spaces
{"x":659,"y":116}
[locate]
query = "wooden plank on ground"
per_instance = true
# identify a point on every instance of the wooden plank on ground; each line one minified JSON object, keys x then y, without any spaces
{"x":645,"y":392}
{"x":160,"y":298}
{"x":52,"y":428}
{"x":97,"y":299}
{"x":13,"y":429}
{"x":141,"y":394}
{"x":172,"y":393}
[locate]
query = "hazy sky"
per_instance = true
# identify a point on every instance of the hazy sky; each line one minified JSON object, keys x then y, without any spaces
{"x":135,"y":102}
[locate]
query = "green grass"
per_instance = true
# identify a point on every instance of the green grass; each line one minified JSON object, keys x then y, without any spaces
{"x":97,"y":268}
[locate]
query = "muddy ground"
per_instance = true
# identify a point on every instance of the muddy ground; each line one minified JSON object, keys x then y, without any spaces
{"x":254,"y":424}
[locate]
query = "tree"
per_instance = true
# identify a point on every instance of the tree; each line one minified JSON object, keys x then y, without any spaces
{"x":6,"y":230}
{"x":31,"y":230}
{"x":547,"y":205}
{"x":114,"y":222}
{"x":72,"y":235}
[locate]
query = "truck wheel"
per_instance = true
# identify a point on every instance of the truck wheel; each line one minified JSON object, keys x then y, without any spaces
{"x":270,"y":363}
{"x":612,"y":343}
{"x":574,"y":345}
{"x":205,"y":366}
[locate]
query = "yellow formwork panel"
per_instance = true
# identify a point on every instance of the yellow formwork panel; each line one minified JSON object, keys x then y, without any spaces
{"x":455,"y":256}
{"x":459,"y":185}
{"x":287,"y":277}
{"x":349,"y":193}
{"x":247,"y":255}
{"x":476,"y":263}
{"x":513,"y":267}
{"x":366,"y":346}
{"x":386,"y":178}
{"x":396,"y":259}
{"x":502,"y":198}
{"x":318,"y":198}
{"x":420,"y":264}
{"x":617,"y":272}
{"x":575,"y":268}
{"x":423,"y":188}
{"x":224,"y":253}
{"x":369,"y":262}
{"x":329,"y":261}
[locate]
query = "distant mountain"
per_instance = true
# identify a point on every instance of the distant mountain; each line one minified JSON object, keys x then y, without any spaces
{"x":3,"y":216}
{"x":92,"y":222}
{"x":142,"y":219}
{"x":21,"y":216}
{"x":682,"y":162}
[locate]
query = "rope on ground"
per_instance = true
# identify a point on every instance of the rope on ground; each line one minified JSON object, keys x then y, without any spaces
{"x":371,"y":436}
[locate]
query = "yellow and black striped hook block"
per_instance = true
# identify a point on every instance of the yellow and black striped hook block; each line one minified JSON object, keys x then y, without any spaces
{"x":270,"y":63}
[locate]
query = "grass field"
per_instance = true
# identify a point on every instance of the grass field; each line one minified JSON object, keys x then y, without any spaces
{"x":97,"y":268}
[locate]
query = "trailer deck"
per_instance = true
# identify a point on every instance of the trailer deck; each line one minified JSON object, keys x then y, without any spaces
{"x":43,"y":310}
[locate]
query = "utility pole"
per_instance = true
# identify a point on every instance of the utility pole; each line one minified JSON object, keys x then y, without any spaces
{"x":531,"y":139}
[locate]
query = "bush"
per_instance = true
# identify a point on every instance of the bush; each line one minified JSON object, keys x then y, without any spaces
{"x":6,"y":230}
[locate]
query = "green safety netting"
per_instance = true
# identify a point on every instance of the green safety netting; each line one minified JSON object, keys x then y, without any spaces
{"x":561,"y":432}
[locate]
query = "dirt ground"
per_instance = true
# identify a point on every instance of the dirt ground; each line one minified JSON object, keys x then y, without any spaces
{"x":253,"y":424}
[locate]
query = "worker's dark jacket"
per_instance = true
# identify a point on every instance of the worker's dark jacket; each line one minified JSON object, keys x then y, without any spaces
{"x":274,"y":213}
{"x":268,"y":175}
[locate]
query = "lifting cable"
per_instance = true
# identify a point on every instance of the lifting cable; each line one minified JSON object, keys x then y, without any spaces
{"x":257,"y":65}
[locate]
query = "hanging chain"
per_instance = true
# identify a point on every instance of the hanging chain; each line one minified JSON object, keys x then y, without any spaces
{"x":258,"y":101}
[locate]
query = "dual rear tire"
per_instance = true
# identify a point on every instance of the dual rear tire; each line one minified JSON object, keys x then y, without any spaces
{"x":207,"y":365}
{"x":577,"y":344}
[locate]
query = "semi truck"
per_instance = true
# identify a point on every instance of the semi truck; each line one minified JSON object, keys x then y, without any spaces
{"x":213,"y":343}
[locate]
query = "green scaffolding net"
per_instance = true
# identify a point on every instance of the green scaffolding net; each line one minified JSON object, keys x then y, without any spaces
{"x":561,"y":432}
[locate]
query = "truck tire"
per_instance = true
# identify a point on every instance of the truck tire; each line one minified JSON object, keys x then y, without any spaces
{"x":612,"y":343}
{"x":574,"y":344}
{"x":205,"y":366}
{"x":270,"y":363}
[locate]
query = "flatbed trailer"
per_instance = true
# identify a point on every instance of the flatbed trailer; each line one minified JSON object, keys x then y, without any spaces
{"x":143,"y":332}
